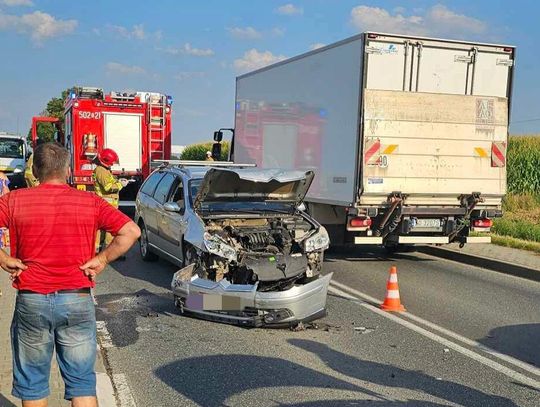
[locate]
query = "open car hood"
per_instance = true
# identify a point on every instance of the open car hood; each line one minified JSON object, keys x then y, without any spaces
{"x":253,"y":185}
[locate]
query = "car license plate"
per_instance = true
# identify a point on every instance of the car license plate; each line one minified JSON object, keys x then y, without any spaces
{"x":428,"y":223}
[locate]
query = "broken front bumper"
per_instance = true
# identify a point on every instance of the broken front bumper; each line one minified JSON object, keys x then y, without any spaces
{"x":244,"y":305}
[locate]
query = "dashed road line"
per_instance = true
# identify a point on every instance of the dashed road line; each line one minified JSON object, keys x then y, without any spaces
{"x":124,"y":396}
{"x":350,"y":293}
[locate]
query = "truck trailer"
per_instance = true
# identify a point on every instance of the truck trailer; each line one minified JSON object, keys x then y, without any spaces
{"x":407,"y":135}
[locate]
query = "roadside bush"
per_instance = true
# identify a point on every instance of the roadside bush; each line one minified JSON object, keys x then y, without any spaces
{"x":197,"y":152}
{"x":510,"y":225}
{"x":523,"y":166}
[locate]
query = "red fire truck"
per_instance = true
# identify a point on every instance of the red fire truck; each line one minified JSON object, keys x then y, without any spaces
{"x":262,"y":130}
{"x":136,"y":125}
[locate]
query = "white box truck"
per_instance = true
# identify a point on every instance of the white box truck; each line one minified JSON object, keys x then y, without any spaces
{"x":407,"y":135}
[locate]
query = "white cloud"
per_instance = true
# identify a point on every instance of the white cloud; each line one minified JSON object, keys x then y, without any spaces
{"x":186,"y":75}
{"x":197,"y":52}
{"x":278,"y":32}
{"x":136,"y":32}
{"x":187,"y":49}
{"x":14,"y":3}
{"x":445,"y":18}
{"x":254,"y":59}
{"x":289,"y":9}
{"x":40,"y":26}
{"x":316,"y":46}
{"x":116,"y":67}
{"x":437,"y":20}
{"x":247,"y":33}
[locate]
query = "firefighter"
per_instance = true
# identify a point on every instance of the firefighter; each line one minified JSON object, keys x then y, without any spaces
{"x":208,"y":156}
{"x":31,"y":180}
{"x":106,"y":185}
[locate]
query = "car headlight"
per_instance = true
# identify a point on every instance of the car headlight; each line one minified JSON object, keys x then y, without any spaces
{"x":18,"y":169}
{"x":216,"y":245}
{"x":319,"y":241}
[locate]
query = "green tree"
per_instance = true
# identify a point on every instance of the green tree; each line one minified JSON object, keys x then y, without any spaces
{"x":54,"y":108}
{"x":197,"y":152}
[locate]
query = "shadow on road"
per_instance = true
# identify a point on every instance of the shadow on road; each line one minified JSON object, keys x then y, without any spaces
{"x":120,"y":311}
{"x":518,"y":341}
{"x":4,"y":402}
{"x":361,"y":253}
{"x":213,"y":380}
{"x":159,"y":273}
{"x":387,"y":375}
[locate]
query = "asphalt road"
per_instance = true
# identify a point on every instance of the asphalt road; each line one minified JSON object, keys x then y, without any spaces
{"x":356,"y":356}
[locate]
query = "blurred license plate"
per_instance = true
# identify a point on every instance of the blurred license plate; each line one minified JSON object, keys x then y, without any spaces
{"x":428,"y":223}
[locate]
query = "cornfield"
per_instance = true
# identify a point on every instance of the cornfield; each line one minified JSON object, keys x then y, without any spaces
{"x":523,"y":167}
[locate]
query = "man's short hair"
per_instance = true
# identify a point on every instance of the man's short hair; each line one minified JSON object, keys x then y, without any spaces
{"x":51,"y":160}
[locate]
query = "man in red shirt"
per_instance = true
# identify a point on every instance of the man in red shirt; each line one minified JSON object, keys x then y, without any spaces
{"x":53,"y":230}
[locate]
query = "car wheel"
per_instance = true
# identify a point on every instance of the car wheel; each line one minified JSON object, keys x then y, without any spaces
{"x":144,"y":246}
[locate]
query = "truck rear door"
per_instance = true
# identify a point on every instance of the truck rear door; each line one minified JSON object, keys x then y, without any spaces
{"x":123,"y":134}
{"x":435,"y":119}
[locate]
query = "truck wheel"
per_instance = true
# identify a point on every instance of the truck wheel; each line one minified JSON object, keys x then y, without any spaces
{"x":144,"y":246}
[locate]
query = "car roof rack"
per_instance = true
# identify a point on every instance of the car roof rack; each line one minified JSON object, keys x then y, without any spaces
{"x":195,"y":163}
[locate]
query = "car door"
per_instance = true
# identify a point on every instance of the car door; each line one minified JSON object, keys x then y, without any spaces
{"x":147,"y":206}
{"x":172,"y":225}
{"x":161,"y":194}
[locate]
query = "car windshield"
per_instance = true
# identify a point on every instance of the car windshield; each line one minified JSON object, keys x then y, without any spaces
{"x":11,"y":148}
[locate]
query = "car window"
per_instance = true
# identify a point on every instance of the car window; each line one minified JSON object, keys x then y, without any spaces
{"x":149,"y":186}
{"x":163,"y":188}
{"x":178,"y":195}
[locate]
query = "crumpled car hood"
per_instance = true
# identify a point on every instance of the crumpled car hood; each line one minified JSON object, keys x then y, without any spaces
{"x":253,"y":185}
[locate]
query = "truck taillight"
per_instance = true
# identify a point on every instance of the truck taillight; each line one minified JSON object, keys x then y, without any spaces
{"x":360,"y":222}
{"x":482,"y":223}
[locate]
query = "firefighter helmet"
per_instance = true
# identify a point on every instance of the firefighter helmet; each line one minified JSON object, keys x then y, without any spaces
{"x":108,"y":157}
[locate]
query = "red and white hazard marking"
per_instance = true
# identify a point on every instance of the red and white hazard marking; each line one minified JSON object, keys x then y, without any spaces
{"x":498,"y":154}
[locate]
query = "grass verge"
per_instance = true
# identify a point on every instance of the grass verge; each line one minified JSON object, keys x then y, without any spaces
{"x":514,"y":243}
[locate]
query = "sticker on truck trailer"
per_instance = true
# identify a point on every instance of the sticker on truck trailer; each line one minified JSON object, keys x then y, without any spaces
{"x":372,"y":150}
{"x":485,"y":111}
{"x":480,"y":152}
{"x":498,"y":154}
{"x":375,"y":181}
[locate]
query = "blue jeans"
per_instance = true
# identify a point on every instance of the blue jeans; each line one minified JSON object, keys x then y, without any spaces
{"x":44,"y":323}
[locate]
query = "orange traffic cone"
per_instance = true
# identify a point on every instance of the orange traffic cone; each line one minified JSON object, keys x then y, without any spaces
{"x":392,"y":301}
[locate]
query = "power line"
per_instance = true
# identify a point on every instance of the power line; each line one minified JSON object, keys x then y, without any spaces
{"x":525,"y":121}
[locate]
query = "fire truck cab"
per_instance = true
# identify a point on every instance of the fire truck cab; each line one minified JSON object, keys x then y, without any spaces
{"x":136,"y":125}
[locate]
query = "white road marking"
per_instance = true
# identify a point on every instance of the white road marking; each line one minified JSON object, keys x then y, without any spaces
{"x":104,"y":336}
{"x":125,"y":398}
{"x":443,"y":341}
{"x":474,"y":344}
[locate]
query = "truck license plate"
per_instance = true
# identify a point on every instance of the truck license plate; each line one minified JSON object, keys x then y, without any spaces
{"x":428,"y":223}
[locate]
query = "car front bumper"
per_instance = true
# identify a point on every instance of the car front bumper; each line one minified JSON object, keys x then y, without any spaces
{"x":244,"y":305}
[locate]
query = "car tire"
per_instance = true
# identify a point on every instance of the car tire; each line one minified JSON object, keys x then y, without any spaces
{"x":144,"y":246}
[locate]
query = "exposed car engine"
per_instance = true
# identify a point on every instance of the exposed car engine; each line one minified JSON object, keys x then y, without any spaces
{"x":267,"y":251}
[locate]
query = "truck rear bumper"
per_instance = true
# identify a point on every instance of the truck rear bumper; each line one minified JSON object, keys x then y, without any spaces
{"x":420,"y":239}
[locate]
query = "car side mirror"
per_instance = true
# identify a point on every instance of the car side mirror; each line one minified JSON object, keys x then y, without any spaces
{"x":173,"y":207}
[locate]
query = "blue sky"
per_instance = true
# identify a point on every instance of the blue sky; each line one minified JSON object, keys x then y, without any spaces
{"x":193,"y":50}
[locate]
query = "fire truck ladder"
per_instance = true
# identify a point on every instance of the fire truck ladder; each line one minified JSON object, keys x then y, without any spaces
{"x":156,"y":126}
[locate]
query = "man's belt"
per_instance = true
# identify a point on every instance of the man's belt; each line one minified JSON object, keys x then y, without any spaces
{"x":74,"y":291}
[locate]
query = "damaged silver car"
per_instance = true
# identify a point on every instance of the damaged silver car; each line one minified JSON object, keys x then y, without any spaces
{"x":249,"y":255}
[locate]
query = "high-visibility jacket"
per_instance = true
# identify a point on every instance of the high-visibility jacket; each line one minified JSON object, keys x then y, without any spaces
{"x":31,"y":180}
{"x":106,"y":185}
